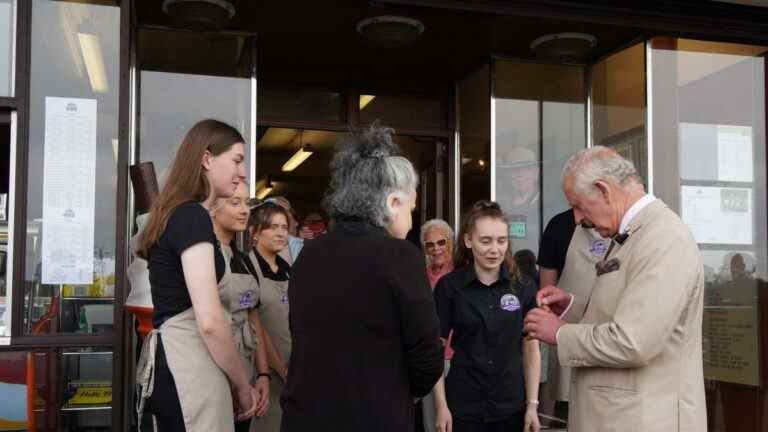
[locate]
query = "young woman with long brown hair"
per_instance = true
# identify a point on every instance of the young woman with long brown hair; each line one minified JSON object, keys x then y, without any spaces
{"x":493,"y":381}
{"x":190,"y":368}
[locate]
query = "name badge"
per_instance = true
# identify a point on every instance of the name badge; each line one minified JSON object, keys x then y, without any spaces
{"x":246,"y":299}
{"x":598,"y":248}
{"x":510,"y":303}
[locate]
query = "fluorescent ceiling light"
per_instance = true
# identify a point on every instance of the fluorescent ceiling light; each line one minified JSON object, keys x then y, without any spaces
{"x":298,"y":158}
{"x":265,"y":190}
{"x":365,"y":100}
{"x":94,"y":61}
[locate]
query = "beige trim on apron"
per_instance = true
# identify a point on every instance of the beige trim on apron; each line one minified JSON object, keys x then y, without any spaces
{"x":204,"y":392}
{"x":584,"y":251}
{"x":273,"y":313}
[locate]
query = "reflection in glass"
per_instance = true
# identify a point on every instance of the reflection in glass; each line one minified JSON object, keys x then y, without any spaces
{"x":171,"y":103}
{"x":709,"y":113}
{"x":72,"y":179}
{"x":7,"y":46}
{"x":618,"y":105}
{"x":540,"y":122}
{"x":474,"y":127}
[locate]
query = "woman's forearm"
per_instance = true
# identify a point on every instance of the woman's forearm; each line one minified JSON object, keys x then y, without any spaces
{"x":260,"y":355}
{"x":439,"y":391}
{"x":274,"y":358}
{"x":531,"y":368}
{"x":217,"y":336}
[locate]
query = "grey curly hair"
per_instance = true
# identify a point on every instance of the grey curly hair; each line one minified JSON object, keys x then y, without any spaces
{"x":587,"y":166}
{"x":366,"y":168}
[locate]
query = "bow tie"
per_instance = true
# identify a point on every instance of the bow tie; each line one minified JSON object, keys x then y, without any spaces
{"x":621,"y":238}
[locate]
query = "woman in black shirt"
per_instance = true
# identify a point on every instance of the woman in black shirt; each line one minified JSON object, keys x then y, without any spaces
{"x":268,"y":227}
{"x":190,"y":359}
{"x":363,"y":322}
{"x":493,"y":381}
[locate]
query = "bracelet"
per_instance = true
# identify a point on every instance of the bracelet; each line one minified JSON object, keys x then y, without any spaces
{"x":264,"y":374}
{"x":533,"y":402}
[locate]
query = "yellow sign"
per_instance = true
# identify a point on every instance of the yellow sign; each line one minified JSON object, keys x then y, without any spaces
{"x":730,"y":344}
{"x":90,"y":393}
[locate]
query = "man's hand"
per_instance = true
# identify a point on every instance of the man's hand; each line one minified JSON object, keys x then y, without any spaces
{"x":553,"y":298}
{"x":543,"y":325}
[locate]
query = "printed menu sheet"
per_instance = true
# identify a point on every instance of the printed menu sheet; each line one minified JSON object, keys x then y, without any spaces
{"x":69,"y":189}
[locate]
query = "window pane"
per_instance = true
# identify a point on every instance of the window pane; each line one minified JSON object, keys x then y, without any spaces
{"x":299,"y":104}
{"x":179,"y":90}
{"x":618,"y":105}
{"x":709,"y":165}
{"x":69,"y":276}
{"x":5,"y":295}
{"x":7,"y":45}
{"x":24,"y":374}
{"x":540,"y":122}
{"x":418,"y":112}
{"x":475,"y":138}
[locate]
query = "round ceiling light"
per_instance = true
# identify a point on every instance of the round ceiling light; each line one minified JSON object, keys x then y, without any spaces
{"x":564,"y":47}
{"x":390,"y":31}
{"x":199,"y":15}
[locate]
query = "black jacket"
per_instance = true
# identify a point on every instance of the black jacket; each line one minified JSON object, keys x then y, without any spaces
{"x":365,"y":333}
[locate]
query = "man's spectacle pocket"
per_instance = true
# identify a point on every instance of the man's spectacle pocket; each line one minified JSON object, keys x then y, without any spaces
{"x":608,"y":266}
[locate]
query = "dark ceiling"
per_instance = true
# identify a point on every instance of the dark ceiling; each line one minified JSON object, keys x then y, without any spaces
{"x":315,"y":42}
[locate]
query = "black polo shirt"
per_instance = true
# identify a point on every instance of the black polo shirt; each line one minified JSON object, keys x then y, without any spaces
{"x":485,"y":382}
{"x":555,"y":241}
{"x":283,"y":268}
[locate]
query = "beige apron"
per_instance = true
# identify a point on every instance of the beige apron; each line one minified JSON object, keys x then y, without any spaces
{"x":584,"y":251}
{"x":239,"y":294}
{"x":204,"y":392}
{"x":273,"y":313}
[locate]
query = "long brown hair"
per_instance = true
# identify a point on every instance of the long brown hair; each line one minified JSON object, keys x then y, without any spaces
{"x":479,"y":210}
{"x":186,"y":181}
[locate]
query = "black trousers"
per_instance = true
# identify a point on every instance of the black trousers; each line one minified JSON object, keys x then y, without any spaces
{"x":514,"y":424}
{"x":164,"y":403}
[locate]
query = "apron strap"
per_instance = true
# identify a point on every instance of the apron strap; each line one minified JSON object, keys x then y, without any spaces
{"x":145,"y":371}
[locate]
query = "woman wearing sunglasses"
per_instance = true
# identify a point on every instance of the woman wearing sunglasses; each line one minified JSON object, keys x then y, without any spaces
{"x":493,"y":382}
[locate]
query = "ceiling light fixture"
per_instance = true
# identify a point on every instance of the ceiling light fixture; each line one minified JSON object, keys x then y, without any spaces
{"x":265,"y":190}
{"x":93,"y":57}
{"x":299,"y":157}
{"x":365,"y":100}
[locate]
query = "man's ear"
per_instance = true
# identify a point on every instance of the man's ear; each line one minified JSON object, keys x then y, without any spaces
{"x":605,"y":190}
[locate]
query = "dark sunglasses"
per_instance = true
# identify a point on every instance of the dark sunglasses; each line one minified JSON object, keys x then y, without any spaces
{"x":432,"y":245}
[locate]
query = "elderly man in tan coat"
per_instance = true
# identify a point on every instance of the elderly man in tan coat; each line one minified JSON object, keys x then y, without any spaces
{"x":636,"y":349}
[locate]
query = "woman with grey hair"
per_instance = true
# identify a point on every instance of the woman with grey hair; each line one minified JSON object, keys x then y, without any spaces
{"x":363,"y":321}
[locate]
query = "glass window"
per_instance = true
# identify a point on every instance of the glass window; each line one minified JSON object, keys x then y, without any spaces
{"x":618,"y":105}
{"x":418,"y":112}
{"x":5,"y":161}
{"x":35,"y":385}
{"x":7,"y":46}
{"x":710,"y":166}
{"x":69,"y":277}
{"x":177,"y":91}
{"x":539,"y":122}
{"x":299,"y":104}
{"x":474,"y":126}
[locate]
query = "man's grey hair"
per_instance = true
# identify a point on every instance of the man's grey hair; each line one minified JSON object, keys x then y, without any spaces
{"x":437,"y":224}
{"x":587,"y":166}
{"x":366,"y":168}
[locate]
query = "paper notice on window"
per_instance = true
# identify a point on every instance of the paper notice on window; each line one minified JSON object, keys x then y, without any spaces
{"x":69,"y":190}
{"x":734,"y":153}
{"x":720,"y":215}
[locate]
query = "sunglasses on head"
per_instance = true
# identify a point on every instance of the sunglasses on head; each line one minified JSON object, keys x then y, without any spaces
{"x":432,"y":245}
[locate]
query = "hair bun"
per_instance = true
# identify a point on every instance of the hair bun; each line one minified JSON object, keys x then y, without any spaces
{"x":376,"y":142}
